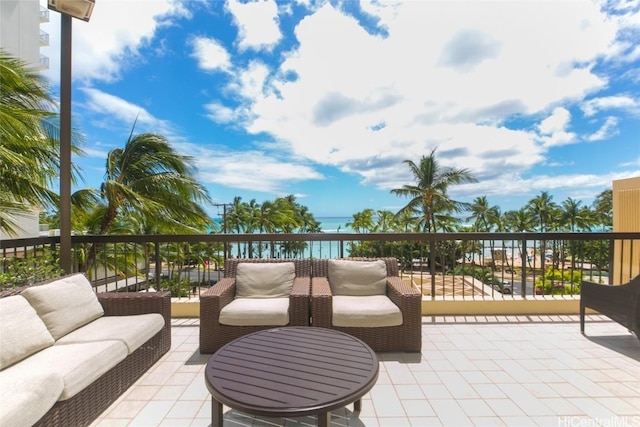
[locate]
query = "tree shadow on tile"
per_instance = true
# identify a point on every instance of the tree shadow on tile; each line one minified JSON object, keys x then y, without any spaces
{"x":342,"y":417}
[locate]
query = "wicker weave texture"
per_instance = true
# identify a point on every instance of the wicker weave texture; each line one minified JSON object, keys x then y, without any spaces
{"x":620,"y":303}
{"x":405,"y":337}
{"x":214,"y":335}
{"x":83,"y":408}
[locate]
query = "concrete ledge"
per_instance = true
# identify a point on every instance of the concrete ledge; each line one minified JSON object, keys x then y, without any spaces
{"x":569,"y":304}
{"x":185,"y":308}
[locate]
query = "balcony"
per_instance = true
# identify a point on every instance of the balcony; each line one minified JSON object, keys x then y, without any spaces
{"x":501,"y":338}
{"x":44,"y":15}
{"x":473,"y":371}
{"x":43,"y":38}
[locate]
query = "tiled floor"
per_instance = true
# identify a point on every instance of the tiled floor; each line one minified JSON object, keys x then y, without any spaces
{"x":473,"y":371}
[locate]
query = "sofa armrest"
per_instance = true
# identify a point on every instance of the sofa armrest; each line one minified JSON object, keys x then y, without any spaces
{"x":321,"y":302}
{"x":130,"y":303}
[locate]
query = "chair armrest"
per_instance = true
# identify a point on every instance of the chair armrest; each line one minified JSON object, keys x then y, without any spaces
{"x":215,"y":298}
{"x":620,"y":303}
{"x":299,"y":301}
{"x":321,"y":302}
{"x":405,"y":296}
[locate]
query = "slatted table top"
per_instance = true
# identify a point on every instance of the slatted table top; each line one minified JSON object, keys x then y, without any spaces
{"x":291,"y":371}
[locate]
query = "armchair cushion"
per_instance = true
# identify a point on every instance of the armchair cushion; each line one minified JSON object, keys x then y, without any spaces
{"x":365,"y":311}
{"x":256,"y":312}
{"x":264,"y":280}
{"x":357,"y":278}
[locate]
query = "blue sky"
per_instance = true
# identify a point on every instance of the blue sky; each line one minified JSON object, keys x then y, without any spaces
{"x":325,"y":100}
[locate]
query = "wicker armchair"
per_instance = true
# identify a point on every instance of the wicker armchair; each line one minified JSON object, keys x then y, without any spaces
{"x":620,"y":303}
{"x":214,"y":334}
{"x":404,"y":337}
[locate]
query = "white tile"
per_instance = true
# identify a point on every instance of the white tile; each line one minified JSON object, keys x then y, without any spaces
{"x":386,"y":401}
{"x":515,"y":373}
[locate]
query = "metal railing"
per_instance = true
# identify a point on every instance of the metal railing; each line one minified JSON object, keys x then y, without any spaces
{"x":441,"y":265}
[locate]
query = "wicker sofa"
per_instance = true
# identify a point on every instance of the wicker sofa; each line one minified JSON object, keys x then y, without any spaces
{"x":381,"y":328}
{"x":68,"y":353}
{"x":620,"y":303}
{"x":215,"y":303}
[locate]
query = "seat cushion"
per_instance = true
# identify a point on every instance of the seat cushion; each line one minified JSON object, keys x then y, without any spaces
{"x":78,"y":365}
{"x":65,"y":304}
{"x":365,"y":311}
{"x":256,"y":312}
{"x":264,"y":280}
{"x":22,"y":332}
{"x":132,"y":330}
{"x":26,"y":396}
{"x":357,"y":277}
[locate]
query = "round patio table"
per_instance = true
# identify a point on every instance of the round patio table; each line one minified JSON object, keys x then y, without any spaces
{"x":290,"y":372}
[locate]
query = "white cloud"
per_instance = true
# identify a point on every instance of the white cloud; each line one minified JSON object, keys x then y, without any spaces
{"x":257,"y":23}
{"x":607,"y":130}
{"x":248,"y":170}
{"x":116,"y":29}
{"x":635,"y":162}
{"x":619,"y":102}
{"x":553,"y":129}
{"x":366,"y":101}
{"x":558,"y":121}
{"x":220,"y":113}
{"x":116,"y":112}
{"x":210,"y":54}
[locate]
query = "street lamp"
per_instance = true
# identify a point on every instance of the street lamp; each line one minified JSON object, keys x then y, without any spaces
{"x":80,"y":9}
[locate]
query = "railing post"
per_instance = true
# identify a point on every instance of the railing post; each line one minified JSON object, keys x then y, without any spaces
{"x":432,"y":265}
{"x":612,"y":248}
{"x":523,"y":273}
{"x":158,"y":266}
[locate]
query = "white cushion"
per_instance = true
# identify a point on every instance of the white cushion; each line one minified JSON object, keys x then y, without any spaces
{"x":22,"y":332}
{"x":66,"y":304}
{"x":264,"y":280}
{"x":132,"y":330}
{"x":79,"y":365}
{"x":357,"y":277}
{"x":26,"y":396}
{"x":256,"y":312}
{"x":365,"y":311}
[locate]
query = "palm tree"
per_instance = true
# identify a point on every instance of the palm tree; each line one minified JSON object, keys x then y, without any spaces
{"x":148,"y":178}
{"x":603,"y":209}
{"x":480,"y":213}
{"x":429,"y":193}
{"x":29,"y":147}
{"x":545,"y":211}
{"x":362,"y":222}
{"x":520,"y":221}
{"x":386,"y":221}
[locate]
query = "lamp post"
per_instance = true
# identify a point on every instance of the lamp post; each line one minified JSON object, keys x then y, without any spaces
{"x":80,"y":9}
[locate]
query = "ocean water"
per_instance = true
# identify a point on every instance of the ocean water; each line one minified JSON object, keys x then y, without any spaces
{"x":335,"y":224}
